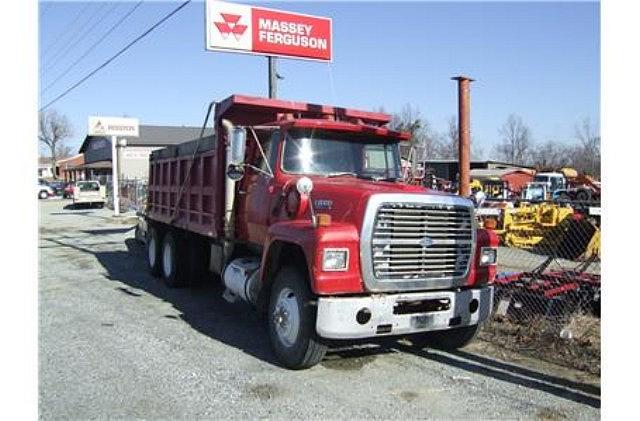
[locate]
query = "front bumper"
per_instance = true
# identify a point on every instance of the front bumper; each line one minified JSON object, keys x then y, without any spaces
{"x":336,"y":317}
{"x":81,"y":200}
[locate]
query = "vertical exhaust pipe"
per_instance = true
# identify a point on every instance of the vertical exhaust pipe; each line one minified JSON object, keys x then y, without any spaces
{"x":464,"y":135}
{"x":229,"y":196}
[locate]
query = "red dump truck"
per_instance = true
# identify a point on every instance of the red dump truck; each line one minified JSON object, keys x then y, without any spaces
{"x":301,"y":210}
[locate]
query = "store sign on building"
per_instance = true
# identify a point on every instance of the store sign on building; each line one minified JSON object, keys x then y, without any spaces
{"x":113,"y":126}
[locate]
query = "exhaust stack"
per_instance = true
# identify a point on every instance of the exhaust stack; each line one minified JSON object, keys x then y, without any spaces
{"x":229,"y":197}
{"x":464,"y":135}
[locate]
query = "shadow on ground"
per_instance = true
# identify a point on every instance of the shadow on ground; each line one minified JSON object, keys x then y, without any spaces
{"x":204,"y":309}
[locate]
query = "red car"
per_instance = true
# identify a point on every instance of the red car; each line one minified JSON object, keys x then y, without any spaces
{"x":67,"y":193}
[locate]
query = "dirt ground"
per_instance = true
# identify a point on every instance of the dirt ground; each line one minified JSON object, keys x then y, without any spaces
{"x":114,"y":342}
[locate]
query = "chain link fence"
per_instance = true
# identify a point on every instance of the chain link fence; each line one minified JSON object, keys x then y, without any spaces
{"x":133,"y":194}
{"x":547,"y":291}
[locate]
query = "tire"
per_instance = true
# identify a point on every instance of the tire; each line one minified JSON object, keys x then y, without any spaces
{"x":583,"y":196}
{"x":154,"y":259}
{"x":292,"y":321}
{"x":173,"y":267}
{"x":448,"y":339}
{"x":564,"y":197}
{"x":42,"y":194}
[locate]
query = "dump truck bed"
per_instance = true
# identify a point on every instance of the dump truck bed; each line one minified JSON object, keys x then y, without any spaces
{"x":173,"y":174}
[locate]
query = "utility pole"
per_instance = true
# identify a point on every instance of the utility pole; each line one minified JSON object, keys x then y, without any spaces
{"x":273,"y":77}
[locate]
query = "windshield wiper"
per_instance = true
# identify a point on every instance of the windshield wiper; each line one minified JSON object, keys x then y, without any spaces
{"x":339,"y":174}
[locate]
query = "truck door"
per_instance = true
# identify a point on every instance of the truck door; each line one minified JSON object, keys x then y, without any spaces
{"x":256,"y":194}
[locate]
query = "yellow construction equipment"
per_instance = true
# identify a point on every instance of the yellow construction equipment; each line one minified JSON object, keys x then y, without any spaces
{"x":547,"y":228}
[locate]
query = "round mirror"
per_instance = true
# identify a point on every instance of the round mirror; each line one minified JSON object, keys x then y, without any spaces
{"x":235,"y":172}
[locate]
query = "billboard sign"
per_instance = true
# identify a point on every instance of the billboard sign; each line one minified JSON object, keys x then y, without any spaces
{"x":241,"y":28}
{"x":113,"y":126}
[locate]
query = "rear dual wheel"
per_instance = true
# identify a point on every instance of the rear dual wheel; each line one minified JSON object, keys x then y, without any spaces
{"x":165,"y":257}
{"x":173,"y":262}
{"x":154,"y":246}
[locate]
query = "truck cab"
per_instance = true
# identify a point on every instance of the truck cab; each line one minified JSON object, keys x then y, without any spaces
{"x":303,"y":212}
{"x":555,"y":180}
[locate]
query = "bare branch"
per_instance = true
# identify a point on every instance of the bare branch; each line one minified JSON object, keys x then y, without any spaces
{"x":53,"y":130}
{"x":516,"y":140}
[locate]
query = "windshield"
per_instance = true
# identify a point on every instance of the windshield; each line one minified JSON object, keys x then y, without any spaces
{"x":555,"y":182}
{"x":90,"y":186}
{"x":333,"y":153}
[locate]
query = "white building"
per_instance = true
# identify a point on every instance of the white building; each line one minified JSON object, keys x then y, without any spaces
{"x":135,"y":156}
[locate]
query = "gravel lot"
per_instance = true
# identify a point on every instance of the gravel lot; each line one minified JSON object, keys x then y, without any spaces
{"x":116,"y":343}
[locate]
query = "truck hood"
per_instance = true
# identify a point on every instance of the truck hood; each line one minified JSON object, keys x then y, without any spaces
{"x":345,"y":198}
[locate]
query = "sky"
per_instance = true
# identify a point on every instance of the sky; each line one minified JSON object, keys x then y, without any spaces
{"x":538,"y":60}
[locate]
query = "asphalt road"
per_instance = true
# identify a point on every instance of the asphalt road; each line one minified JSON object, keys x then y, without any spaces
{"x":116,"y":343}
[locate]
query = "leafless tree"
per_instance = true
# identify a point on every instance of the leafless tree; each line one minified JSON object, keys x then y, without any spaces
{"x":477,"y":152}
{"x":516,"y":140}
{"x":449,"y":146}
{"x":423,"y":137}
{"x":552,"y":155}
{"x":587,"y":155}
{"x":65,"y":151}
{"x":53,"y":129}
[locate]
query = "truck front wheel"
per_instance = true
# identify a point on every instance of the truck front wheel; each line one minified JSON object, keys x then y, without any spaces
{"x":448,"y":339}
{"x":292,"y":318}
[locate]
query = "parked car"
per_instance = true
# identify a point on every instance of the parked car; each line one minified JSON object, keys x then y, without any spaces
{"x":91,"y":193}
{"x":58,"y":187}
{"x":44,"y":191}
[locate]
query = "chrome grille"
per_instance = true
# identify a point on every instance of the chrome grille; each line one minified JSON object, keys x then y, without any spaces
{"x":421,"y":241}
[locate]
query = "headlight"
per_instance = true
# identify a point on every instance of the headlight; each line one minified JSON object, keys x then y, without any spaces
{"x":488,"y":256}
{"x":335,"y":259}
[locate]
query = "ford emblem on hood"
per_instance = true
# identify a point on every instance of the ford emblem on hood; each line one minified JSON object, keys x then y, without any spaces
{"x":426,"y":242}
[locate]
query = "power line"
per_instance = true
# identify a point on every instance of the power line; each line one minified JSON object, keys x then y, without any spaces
{"x":94,"y":45}
{"x":45,"y":9}
{"x":86,"y":29}
{"x":47,"y":50}
{"x":103,"y":65}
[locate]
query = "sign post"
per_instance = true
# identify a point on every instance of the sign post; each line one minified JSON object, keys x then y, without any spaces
{"x":273,"y":77}
{"x":115,"y":186}
{"x":114,"y":127}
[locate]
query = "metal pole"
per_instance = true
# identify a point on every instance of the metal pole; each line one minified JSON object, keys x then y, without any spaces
{"x":114,"y":177}
{"x":273,"y":77}
{"x":464,"y":135}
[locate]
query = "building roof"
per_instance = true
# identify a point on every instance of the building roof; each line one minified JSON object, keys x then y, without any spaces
{"x":497,"y":172}
{"x":98,"y":165}
{"x":490,"y":161}
{"x":74,"y":158}
{"x":158,"y":136}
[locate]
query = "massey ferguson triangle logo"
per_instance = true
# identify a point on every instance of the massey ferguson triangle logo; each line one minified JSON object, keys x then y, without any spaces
{"x":98,"y":128}
{"x":230,"y":26}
